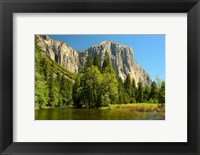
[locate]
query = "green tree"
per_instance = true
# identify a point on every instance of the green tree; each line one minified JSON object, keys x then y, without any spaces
{"x":65,"y":93}
{"x":92,"y":78}
{"x":154,"y":92}
{"x":105,"y":100}
{"x":123,"y":96}
{"x":121,"y":91}
{"x":77,"y":91}
{"x":146,"y":93}
{"x":58,"y":81}
{"x":89,"y":61}
{"x":106,"y":63}
{"x":134,"y":91}
{"x":41,"y":90}
{"x":95,"y":89}
{"x":96,"y":61}
{"x":128,"y":86}
{"x":158,"y":82}
{"x":109,"y":86}
{"x":46,"y":68}
{"x":140,"y":92}
{"x":162,"y":93}
{"x":68,"y":91}
{"x":53,"y":90}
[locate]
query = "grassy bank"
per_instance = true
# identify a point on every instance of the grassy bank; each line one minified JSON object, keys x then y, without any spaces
{"x":139,"y":107}
{"x":43,"y":107}
{"x":48,"y":107}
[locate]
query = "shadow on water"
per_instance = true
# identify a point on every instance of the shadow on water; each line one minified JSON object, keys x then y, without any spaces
{"x":95,"y":114}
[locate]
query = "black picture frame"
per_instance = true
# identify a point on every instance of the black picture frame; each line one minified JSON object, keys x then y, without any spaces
{"x":8,"y":7}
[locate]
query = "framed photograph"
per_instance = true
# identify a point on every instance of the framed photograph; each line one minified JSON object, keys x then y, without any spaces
{"x":103,"y":82}
{"x":99,"y":77}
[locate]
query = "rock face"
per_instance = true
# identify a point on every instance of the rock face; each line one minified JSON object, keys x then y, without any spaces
{"x":59,"y":52}
{"x":122,"y":57}
{"x":122,"y":60}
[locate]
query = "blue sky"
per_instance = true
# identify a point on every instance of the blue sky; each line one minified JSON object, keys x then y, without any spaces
{"x":149,"y":50}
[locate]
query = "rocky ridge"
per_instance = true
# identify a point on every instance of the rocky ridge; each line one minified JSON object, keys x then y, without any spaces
{"x":122,"y":57}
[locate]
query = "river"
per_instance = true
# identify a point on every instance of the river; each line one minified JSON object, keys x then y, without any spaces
{"x":95,"y":114}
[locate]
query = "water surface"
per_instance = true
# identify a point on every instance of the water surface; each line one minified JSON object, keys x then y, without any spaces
{"x":95,"y":114}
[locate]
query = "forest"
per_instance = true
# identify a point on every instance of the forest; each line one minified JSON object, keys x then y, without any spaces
{"x":95,"y":86}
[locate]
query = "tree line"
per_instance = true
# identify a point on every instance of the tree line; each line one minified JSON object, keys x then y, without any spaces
{"x":52,"y":88}
{"x":97,"y":85}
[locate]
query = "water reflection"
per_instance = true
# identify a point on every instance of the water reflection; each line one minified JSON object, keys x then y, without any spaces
{"x":95,"y":114}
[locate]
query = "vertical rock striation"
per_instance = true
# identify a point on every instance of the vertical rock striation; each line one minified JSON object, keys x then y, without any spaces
{"x":122,"y":57}
{"x":59,"y":52}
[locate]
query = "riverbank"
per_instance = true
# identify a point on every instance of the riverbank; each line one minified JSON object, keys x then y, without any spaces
{"x":123,"y":112}
{"x":47,"y":107}
{"x":137,"y":107}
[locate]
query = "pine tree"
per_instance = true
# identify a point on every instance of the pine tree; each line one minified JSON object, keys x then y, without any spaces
{"x":41,"y":87}
{"x":128,"y":87}
{"x":60,"y":82}
{"x":154,"y":92}
{"x":96,"y":61}
{"x":89,"y":61}
{"x":140,"y":92}
{"x":106,"y":63}
{"x":146,"y":93}
{"x":41,"y":90}
{"x":134,"y":91}
{"x":162,"y":93}
{"x":51,"y":89}
{"x":68,"y":92}
{"x":77,"y":91}
{"x":123,"y":96}
{"x":53,"y":85}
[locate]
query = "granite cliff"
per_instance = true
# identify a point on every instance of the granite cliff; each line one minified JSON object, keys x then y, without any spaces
{"x":122,"y":57}
{"x":59,"y":52}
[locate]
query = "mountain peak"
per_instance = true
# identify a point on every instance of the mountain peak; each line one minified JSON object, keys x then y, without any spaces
{"x":121,"y":57}
{"x":106,"y":42}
